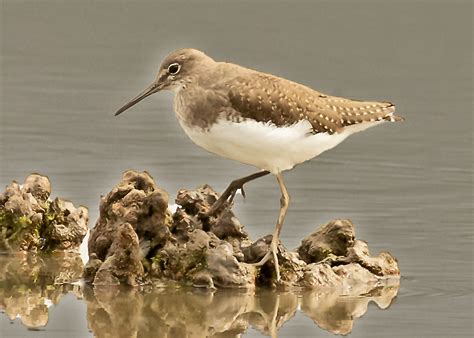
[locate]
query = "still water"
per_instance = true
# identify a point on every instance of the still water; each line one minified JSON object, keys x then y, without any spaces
{"x":67,"y":66}
{"x":32,"y":287}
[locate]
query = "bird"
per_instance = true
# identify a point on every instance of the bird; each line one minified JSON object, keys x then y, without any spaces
{"x":258,"y":119}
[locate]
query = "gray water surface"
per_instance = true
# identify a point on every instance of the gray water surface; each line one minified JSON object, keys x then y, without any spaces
{"x":67,"y":66}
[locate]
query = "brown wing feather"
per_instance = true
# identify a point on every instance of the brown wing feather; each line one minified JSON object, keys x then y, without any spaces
{"x":267,"y":98}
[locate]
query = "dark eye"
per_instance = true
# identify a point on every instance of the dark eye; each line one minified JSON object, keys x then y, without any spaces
{"x":174,"y":68}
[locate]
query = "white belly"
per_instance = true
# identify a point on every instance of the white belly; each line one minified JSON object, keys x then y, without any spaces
{"x":267,"y":146}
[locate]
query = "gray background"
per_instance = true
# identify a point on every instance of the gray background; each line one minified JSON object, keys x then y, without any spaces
{"x":67,"y":66}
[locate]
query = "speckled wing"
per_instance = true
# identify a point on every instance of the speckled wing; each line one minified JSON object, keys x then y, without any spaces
{"x":267,"y":98}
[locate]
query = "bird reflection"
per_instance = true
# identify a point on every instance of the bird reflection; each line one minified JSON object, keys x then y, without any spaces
{"x":30,"y":284}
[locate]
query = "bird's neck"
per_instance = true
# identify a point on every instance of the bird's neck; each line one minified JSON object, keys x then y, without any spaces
{"x":192,"y":108}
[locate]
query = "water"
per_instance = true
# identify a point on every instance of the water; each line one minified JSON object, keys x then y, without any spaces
{"x":67,"y":66}
{"x":32,"y":286}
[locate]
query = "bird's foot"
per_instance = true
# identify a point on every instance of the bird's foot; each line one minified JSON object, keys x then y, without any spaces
{"x":227,"y":196}
{"x":272,"y":252}
{"x":236,"y":185}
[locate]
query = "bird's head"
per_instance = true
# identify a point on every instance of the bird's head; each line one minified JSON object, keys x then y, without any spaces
{"x":178,"y":68}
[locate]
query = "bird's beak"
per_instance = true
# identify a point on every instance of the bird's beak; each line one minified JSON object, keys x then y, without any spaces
{"x":153,"y":88}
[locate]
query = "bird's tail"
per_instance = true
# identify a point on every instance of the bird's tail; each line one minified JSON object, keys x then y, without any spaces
{"x":389,"y":110}
{"x":393,"y":118}
{"x":360,"y":112}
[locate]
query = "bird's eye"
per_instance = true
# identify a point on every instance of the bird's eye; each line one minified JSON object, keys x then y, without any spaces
{"x":174,"y":68}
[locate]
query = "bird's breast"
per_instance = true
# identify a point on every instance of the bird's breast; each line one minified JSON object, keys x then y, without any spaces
{"x":198,"y":107}
{"x":263,"y":145}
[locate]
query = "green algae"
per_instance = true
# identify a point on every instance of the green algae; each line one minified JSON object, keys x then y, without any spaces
{"x":20,"y":232}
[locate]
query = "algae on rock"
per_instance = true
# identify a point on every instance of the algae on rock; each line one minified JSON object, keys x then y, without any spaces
{"x":138,"y":240}
{"x":30,"y":221}
{"x":134,"y":219}
{"x":160,"y":245}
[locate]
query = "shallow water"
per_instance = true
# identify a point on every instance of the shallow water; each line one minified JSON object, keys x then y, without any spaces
{"x":31,"y":287}
{"x":67,"y":66}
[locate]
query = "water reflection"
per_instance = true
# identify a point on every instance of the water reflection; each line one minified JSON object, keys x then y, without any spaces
{"x":336,"y":313}
{"x":224,"y":313}
{"x":30,"y":284}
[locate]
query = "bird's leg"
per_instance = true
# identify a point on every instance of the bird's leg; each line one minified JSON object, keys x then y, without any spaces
{"x":284,"y":203}
{"x":229,"y":193}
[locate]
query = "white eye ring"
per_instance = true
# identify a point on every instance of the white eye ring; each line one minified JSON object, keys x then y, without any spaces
{"x":174,"y":68}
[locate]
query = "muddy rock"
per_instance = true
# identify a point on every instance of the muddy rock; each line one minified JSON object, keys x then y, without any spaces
{"x":122,"y":264}
{"x":204,"y":261}
{"x":334,"y":245}
{"x":199,"y":202}
{"x":255,"y":251}
{"x":38,"y":186}
{"x":382,"y":265}
{"x":137,"y":240}
{"x":183,"y":224}
{"x":91,"y":268}
{"x":227,"y":225}
{"x":204,"y":251}
{"x":331,"y":240}
{"x":225,"y":270}
{"x":67,"y":225}
{"x":320,"y":275}
{"x":354,"y":274}
{"x":134,"y":219}
{"x":138,"y":201}
{"x":185,"y":247}
{"x":29,"y":221}
{"x":291,"y":269}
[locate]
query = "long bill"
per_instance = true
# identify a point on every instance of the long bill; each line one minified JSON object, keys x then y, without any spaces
{"x":153,"y":88}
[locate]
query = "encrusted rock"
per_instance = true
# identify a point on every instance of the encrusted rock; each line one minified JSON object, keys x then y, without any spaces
{"x":225,"y":270}
{"x":122,"y":264}
{"x":197,"y":203}
{"x":320,"y":275}
{"x":198,"y":240}
{"x":92,"y":266}
{"x":137,"y":240}
{"x":382,"y":265}
{"x":184,"y":223}
{"x":227,"y":225}
{"x":203,"y":279}
{"x":29,"y":221}
{"x":333,"y":239}
{"x":204,"y":251}
{"x":67,"y":225}
{"x":39,"y":186}
{"x":134,"y":219}
{"x":255,"y":252}
{"x":291,"y":269}
{"x":204,"y":260}
{"x":354,"y":274}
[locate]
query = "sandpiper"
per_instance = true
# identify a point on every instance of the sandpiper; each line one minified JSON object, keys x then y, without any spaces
{"x":258,"y":119}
